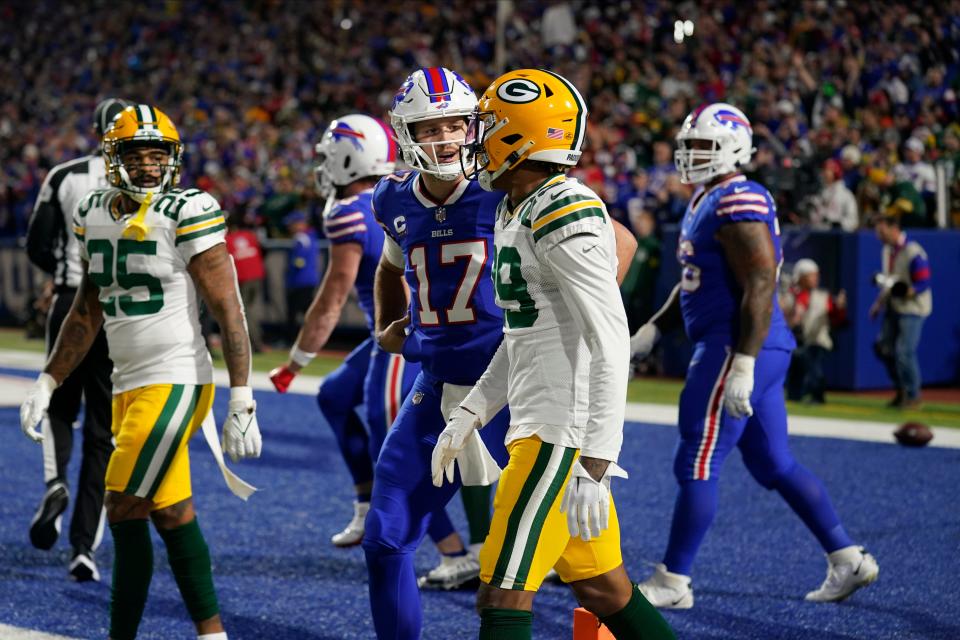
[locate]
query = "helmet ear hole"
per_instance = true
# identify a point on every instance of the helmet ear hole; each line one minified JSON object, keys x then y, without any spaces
{"x":511,"y":139}
{"x":547,"y":91}
{"x":346,"y":162}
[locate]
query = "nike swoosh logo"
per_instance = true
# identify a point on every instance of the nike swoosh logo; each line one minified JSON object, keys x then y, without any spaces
{"x":207,"y":208}
{"x":740,"y":189}
{"x":591,"y":247}
{"x":557,"y":195}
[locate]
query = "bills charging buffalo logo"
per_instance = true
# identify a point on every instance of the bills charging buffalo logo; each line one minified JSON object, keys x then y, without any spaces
{"x":343,"y":131}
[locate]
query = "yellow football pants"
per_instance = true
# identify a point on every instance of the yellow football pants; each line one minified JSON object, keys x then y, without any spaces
{"x":151,"y":426}
{"x":528,"y":535}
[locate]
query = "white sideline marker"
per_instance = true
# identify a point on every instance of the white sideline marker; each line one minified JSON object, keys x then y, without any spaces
{"x":16,"y":633}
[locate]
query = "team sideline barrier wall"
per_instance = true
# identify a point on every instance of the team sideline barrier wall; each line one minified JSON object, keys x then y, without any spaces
{"x":848,"y":261}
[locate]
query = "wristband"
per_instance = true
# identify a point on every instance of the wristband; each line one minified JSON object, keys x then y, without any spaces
{"x":241,"y":394}
{"x":300,"y":356}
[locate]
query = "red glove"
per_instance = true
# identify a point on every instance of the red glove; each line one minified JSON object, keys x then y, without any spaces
{"x":281,"y":377}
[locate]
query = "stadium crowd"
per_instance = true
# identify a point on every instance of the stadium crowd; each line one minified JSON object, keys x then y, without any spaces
{"x":853,"y":104}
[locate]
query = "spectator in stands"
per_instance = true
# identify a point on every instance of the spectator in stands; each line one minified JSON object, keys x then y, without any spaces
{"x":900,"y":199}
{"x":920,"y":173}
{"x":906,"y":300}
{"x":303,"y":275}
{"x":638,"y":286}
{"x":244,"y":245}
{"x":835,"y":207}
{"x":811,"y":312}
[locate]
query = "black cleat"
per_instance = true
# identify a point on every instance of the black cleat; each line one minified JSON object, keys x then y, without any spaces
{"x":83,"y":568}
{"x":45,"y":527}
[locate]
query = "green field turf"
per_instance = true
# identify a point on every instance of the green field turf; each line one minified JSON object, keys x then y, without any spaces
{"x":847,"y":405}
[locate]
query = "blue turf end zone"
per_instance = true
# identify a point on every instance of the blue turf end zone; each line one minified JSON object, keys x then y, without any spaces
{"x":278,"y":576}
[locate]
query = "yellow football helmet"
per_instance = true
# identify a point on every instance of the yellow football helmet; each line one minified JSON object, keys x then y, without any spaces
{"x":527,"y":114}
{"x":137,"y":126}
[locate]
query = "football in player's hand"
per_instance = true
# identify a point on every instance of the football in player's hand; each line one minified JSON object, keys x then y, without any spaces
{"x":913,"y":434}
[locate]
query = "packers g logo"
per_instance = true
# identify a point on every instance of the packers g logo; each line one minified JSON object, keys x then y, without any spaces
{"x":518,"y":91}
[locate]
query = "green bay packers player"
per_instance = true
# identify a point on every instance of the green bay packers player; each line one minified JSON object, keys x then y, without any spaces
{"x":147,"y":249}
{"x":563,"y":367}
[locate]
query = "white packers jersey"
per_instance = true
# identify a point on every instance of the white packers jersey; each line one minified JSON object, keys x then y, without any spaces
{"x":150,"y":307}
{"x":549,"y":359}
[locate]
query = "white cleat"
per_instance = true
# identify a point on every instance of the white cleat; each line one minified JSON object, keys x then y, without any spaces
{"x":848,"y":569}
{"x":353,"y":534}
{"x":452,"y":572}
{"x":666,"y":590}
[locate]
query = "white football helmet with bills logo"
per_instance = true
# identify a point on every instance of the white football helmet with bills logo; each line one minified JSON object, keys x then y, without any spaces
{"x":354,"y":146}
{"x":731,"y":143}
{"x":432,"y":92}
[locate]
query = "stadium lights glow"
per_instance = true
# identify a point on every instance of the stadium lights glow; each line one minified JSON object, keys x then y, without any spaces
{"x":682,"y":29}
{"x":346,"y":24}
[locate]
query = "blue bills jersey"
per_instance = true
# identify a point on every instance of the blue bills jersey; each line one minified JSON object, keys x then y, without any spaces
{"x":709,"y":294}
{"x":448,"y":250}
{"x":351,"y":220}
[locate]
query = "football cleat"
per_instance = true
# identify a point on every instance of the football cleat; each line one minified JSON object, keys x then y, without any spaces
{"x":45,"y":527}
{"x":353,"y":534}
{"x":848,"y":569}
{"x":666,"y":590}
{"x":83,"y":568}
{"x":453,"y":572}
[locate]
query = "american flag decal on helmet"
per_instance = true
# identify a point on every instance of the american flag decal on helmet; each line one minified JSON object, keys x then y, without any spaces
{"x":554,"y":134}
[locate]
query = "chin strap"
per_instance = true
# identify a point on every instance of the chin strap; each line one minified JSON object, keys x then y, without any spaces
{"x":136,"y":227}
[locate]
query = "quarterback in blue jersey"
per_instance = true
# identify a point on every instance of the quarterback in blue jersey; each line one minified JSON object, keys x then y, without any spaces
{"x":354,"y":151}
{"x":730,"y":254}
{"x":439,"y":240}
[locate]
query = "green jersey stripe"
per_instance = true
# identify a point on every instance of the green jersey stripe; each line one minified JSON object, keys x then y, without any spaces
{"x":556,"y":205}
{"x":536,"y":527}
{"x":204,"y":216}
{"x":516,"y":515}
{"x":197,"y":234}
{"x":153,"y":440}
{"x":175,"y":445}
{"x":573,"y":216}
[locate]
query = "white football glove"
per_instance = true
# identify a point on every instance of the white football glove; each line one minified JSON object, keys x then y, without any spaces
{"x":241,"y":433}
{"x":739,"y":386}
{"x":35,"y":405}
{"x":587,"y":502}
{"x":643,"y":341}
{"x":450,"y":443}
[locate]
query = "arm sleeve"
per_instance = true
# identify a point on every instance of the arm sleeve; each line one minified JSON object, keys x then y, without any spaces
{"x":345,"y":225}
{"x":746,"y":203}
{"x":587,"y":281}
{"x":920,"y":272}
{"x":46,"y":224}
{"x":392,"y":252}
{"x":489,"y":395}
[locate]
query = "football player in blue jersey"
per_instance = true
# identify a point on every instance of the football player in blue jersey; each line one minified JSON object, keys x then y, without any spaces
{"x":439,"y":240}
{"x":730,"y":254}
{"x":352,"y":154}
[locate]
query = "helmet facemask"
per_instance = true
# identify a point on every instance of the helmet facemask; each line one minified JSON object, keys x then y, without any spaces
{"x":699,"y":165}
{"x":475,"y":158}
{"x":119,"y":175}
{"x":424,"y":156}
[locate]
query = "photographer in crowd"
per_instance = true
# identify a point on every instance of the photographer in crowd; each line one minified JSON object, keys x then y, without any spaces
{"x":906,"y":299}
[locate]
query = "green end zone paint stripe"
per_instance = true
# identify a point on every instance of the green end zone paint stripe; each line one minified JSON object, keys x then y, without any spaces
{"x":197,"y":234}
{"x":573,"y":216}
{"x":536,"y":527}
{"x":200,"y":218}
{"x":153,"y":440}
{"x":516,"y":515}
{"x":175,"y":445}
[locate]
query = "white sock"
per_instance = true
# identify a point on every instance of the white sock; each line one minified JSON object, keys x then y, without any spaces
{"x":213,"y":636}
